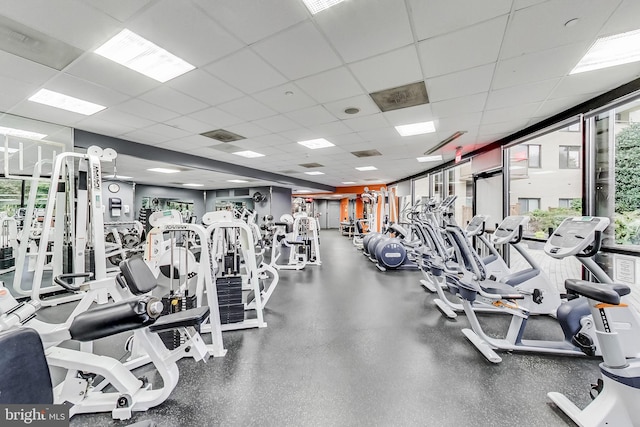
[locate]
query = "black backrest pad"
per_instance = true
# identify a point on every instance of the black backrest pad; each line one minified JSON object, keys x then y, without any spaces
{"x":138,"y":275}
{"x":24,"y":374}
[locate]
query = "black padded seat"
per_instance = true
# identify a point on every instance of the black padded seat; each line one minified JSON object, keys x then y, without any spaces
{"x":181,"y":319}
{"x":111,"y":319}
{"x":607,"y":293}
{"x":138,"y":275}
{"x":24,"y":373}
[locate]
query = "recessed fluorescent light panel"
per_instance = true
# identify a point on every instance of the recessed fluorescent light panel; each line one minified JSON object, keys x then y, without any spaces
{"x":367,"y":168}
{"x":315,"y":173}
{"x":21,"y":133}
{"x":139,"y":54}
{"x":348,"y":182}
{"x":610,"y":51}
{"x":316,"y":6}
{"x":193,"y":185}
{"x":237,"y":181}
{"x":316,"y":143}
{"x":416,"y":128}
{"x":429,"y":158}
{"x":248,"y":154}
{"x":65,"y":102}
{"x":163,"y":170}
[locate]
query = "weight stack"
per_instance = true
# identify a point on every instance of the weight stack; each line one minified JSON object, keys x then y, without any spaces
{"x":173,"y":304}
{"x":230,"y":299}
{"x":7,"y":260}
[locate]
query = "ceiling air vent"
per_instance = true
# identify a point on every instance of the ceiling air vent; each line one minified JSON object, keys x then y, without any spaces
{"x":401,"y":97}
{"x":372,"y":179}
{"x":35,"y":46}
{"x":311,"y":165}
{"x":223,"y":135}
{"x":366,"y":153}
{"x":227,"y":148}
{"x":289,"y":171}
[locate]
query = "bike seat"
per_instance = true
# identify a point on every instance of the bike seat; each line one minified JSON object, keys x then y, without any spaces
{"x":607,"y":293}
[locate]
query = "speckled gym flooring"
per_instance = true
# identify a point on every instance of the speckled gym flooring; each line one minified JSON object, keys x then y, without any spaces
{"x":347,"y":345}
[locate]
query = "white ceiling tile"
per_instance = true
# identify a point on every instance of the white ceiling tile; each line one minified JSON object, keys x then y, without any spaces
{"x":517,"y":95}
{"x":326,"y":130}
{"x":13,"y":92}
{"x":96,"y":125}
{"x":270,"y":140}
{"x":330,"y":85}
{"x":539,"y":66}
{"x":294,"y":59}
{"x":189,"y":124}
{"x":462,"y":83}
{"x":434,"y":17}
{"x":107,"y":73}
{"x":460,"y":122}
{"x":145,"y":137}
{"x":277,"y":123}
{"x":203,"y":86}
{"x":122,"y":10}
{"x":311,"y":116}
{"x":541,"y":27}
{"x":360,"y":124}
{"x":347,"y":138}
{"x":146,"y":110}
{"x":285,"y":98}
{"x":247,"y":108}
{"x":521,"y":4}
{"x":216,"y":117}
{"x":467,"y":48}
{"x":173,"y":100}
{"x":404,"y":116}
{"x":188,"y":143}
{"x":71,"y":21}
{"x":624,"y":19}
{"x":359,"y":29}
{"x":167,"y":131}
{"x":45,"y":113}
{"x":510,"y":114}
{"x":558,"y":105}
{"x":388,"y":70}
{"x":363,"y":102}
{"x":185,"y":31}
{"x":248,"y":130}
{"x":597,"y":80}
{"x":252,"y":20}
{"x":123,"y":119}
{"x":300,"y":134}
{"x":462,"y":105}
{"x":83,"y":89}
{"x":384,"y":134}
{"x":246,"y":71}
{"x":500,"y":128}
{"x":23,"y":70}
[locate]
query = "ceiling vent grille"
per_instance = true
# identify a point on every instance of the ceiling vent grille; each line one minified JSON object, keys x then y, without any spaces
{"x":311,"y":165}
{"x":223,"y":135}
{"x":35,"y":46}
{"x":289,"y":171}
{"x":366,"y":153}
{"x":401,"y":97}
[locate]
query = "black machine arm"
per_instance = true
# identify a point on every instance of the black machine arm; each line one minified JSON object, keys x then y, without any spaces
{"x":60,"y":280}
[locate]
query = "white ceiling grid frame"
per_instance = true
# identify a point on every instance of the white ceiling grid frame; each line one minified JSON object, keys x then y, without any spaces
{"x":216,"y":118}
{"x":189,"y":124}
{"x":285,"y":98}
{"x":364,"y":103}
{"x":247,"y":109}
{"x":203,"y":86}
{"x":167,"y":131}
{"x":146,"y":110}
{"x":110,"y":74}
{"x":471,"y":46}
{"x":122,"y":10}
{"x":390,"y":69}
{"x":311,"y":116}
{"x":436,"y":17}
{"x":359,"y":29}
{"x":246,"y":70}
{"x":173,"y":100}
{"x":331,"y":85}
{"x":462,"y":83}
{"x":258,"y":19}
{"x":511,"y":96}
{"x":464,"y":104}
{"x":85,"y":28}
{"x":541,"y":27}
{"x":123,"y":118}
{"x":294,"y":60}
{"x":185,"y":31}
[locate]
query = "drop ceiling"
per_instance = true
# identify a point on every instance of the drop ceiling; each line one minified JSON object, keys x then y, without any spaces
{"x":275,"y":74}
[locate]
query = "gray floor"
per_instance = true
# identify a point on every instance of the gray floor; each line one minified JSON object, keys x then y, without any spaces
{"x":347,"y":345}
